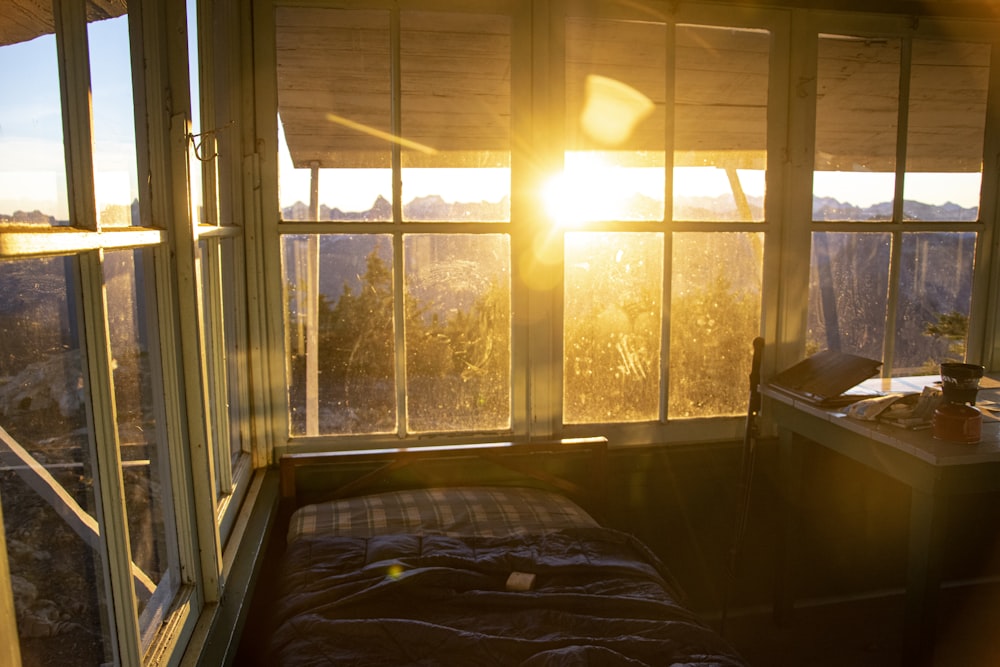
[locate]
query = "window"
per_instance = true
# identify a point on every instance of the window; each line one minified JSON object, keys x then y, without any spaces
{"x":406,"y":259}
{"x":219,"y":261}
{"x":92,"y":485}
{"x":397,"y":293}
{"x":657,"y":318}
{"x":900,"y":123}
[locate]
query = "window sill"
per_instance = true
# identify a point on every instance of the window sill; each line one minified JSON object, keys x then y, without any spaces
{"x":216,"y":636}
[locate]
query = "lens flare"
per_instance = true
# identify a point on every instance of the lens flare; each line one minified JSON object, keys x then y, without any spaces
{"x":612,"y":110}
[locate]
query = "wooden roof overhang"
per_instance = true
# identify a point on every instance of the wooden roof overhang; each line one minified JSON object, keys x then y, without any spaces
{"x":335,"y":96}
{"x":24,"y":20}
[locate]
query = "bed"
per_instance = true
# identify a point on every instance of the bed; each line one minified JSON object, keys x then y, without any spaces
{"x":439,"y":568}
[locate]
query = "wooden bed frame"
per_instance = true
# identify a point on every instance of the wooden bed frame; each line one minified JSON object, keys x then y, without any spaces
{"x":342,"y":474}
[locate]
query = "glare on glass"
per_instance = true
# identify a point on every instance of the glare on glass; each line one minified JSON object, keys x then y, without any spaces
{"x":457,"y":302}
{"x":614,"y":165}
{"x":715,"y":311}
{"x":339,"y":333}
{"x":145,"y":459}
{"x":935,"y":299}
{"x":848,"y":284}
{"x":613,"y":302}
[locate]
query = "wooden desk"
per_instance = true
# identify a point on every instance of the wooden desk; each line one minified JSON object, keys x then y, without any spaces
{"x":933,"y":470}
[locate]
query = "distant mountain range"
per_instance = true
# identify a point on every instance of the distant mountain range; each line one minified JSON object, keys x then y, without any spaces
{"x":434,"y":207}
{"x":827,"y":208}
{"x":639,"y":208}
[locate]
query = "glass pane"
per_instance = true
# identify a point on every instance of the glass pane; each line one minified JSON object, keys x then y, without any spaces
{"x":720,"y":132}
{"x":932,"y":322}
{"x":949,"y":82}
{"x":856,"y":125}
{"x":203,"y":144}
{"x":614,"y":165}
{"x":234,"y":347}
{"x":225,"y":355}
{"x":339,"y":338}
{"x":128,"y":280}
{"x":848,"y":284}
{"x":215,"y":351}
{"x":715,"y":311}
{"x":334,"y":114}
{"x":47,"y":477}
{"x":116,"y":187}
{"x":613,"y":303}
{"x":458,"y":325}
{"x":33,"y":168}
{"x":455,"y":77}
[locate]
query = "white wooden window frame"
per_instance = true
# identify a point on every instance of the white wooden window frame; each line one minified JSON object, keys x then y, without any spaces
{"x":220,"y":263}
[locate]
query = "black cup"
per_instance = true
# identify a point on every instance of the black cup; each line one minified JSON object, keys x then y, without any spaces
{"x":960,"y":382}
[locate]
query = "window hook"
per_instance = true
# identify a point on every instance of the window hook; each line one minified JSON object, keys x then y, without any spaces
{"x":197,"y":145}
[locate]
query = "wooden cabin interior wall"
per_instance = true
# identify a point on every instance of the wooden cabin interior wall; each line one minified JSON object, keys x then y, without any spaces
{"x":671,"y":482}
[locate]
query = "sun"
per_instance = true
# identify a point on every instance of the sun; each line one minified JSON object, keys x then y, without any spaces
{"x":593,"y":187}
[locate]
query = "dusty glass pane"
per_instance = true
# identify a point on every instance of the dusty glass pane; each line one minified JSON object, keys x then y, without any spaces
{"x":949,"y":82}
{"x":234,"y":345}
{"x":339,"y":344}
{"x":857,"y":86}
{"x":615,"y":93}
{"x":613,"y":302}
{"x":225,"y":350}
{"x":848,"y":284}
{"x":129,"y":282}
{"x":720,"y":131}
{"x":334,"y":114}
{"x":215,"y":350}
{"x":47,"y":478}
{"x":455,"y":87}
{"x":457,"y":299}
{"x":935,"y":296}
{"x":715,"y":311}
{"x":116,"y":188}
{"x":33,"y":168}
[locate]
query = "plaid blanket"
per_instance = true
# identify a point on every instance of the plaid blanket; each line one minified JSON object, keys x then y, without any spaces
{"x":482,"y":511}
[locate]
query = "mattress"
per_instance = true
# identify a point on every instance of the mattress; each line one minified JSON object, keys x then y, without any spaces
{"x":476,"y":576}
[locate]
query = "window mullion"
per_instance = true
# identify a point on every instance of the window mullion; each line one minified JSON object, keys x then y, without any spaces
{"x":74,"y":73}
{"x":670,"y":88}
{"x":108,"y":465}
{"x":985,"y":340}
{"x":797,"y":226}
{"x":896,"y":245}
{"x":399,"y":308}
